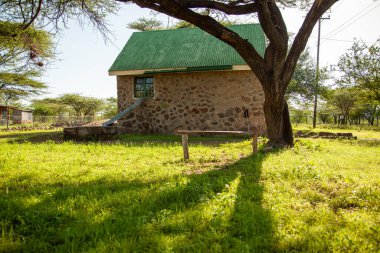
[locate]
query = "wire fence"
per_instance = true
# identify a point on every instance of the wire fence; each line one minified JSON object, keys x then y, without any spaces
{"x":55,"y":121}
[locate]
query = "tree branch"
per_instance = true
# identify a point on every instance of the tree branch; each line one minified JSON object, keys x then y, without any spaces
{"x":270,"y":28}
{"x":232,"y":8}
{"x":316,"y":11}
{"x":34,"y":15}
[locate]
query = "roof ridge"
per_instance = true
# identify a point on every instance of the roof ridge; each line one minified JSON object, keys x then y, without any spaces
{"x":188,"y":28}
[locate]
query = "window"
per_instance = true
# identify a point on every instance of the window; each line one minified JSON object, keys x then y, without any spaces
{"x":144,"y":87}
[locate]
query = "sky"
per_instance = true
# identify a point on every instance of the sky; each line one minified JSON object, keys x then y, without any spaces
{"x":83,"y":56}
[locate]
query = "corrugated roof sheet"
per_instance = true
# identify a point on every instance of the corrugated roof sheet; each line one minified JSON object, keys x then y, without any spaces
{"x":180,"y":48}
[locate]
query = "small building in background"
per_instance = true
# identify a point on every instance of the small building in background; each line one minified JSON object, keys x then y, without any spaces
{"x":22,"y":116}
{"x":6,"y":112}
{"x":14,"y":115}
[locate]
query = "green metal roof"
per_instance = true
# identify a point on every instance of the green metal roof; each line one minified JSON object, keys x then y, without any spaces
{"x":184,"y":48}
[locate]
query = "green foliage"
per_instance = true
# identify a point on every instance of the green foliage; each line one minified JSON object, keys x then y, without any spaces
{"x":82,"y":105}
{"x":344,"y":99}
{"x":138,"y":195}
{"x":42,"y":110}
{"x":361,"y":68}
{"x":48,"y":107}
{"x":23,"y":52}
{"x":23,"y":49}
{"x":20,"y":85}
{"x":145,"y":24}
{"x":303,"y":87}
{"x":110,"y":107}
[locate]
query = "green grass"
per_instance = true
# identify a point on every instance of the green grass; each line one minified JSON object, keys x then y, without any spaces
{"x":137,"y":194}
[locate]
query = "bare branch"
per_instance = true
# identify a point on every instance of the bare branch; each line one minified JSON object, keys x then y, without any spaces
{"x":34,"y":15}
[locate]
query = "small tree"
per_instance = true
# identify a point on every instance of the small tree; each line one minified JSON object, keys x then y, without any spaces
{"x":83,"y":106}
{"x":48,"y":107}
{"x":145,"y":24}
{"x":92,"y":105}
{"x":110,"y":107}
{"x":344,"y":99}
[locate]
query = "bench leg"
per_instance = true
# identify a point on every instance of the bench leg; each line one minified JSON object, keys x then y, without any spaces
{"x":254,"y":143}
{"x":185,"y":146}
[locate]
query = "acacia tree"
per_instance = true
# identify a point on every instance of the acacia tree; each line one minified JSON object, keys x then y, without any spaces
{"x":275,"y":69}
{"x":82,"y":105}
{"x":344,"y":99}
{"x":145,"y":24}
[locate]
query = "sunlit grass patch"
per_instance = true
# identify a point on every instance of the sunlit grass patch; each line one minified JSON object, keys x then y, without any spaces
{"x":137,"y":194}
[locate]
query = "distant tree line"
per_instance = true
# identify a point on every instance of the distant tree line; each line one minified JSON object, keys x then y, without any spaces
{"x":352,"y":98}
{"x":73,"y":104}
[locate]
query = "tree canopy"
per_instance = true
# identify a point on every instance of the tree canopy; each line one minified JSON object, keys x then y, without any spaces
{"x":23,"y":49}
{"x":145,"y":24}
{"x":360,"y":68}
{"x":82,"y":105}
{"x":56,"y":13}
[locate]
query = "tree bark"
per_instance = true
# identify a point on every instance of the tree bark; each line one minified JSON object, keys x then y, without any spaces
{"x":277,"y":119}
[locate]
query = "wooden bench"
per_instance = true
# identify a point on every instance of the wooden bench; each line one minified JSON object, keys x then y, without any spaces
{"x":185,"y":137}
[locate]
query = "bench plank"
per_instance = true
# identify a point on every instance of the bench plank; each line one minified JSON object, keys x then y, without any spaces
{"x":211,"y":132}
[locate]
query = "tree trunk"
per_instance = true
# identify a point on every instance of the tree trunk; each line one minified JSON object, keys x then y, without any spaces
{"x":276,"y":111}
{"x":8,"y":117}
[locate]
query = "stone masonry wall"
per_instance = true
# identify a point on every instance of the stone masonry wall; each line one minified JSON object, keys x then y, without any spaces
{"x":195,"y":101}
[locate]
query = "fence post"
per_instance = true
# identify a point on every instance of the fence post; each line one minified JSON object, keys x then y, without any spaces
{"x":254,"y":143}
{"x":185,"y":146}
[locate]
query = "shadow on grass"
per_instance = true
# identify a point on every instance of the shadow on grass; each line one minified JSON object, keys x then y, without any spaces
{"x":33,"y":137}
{"x":215,"y":211}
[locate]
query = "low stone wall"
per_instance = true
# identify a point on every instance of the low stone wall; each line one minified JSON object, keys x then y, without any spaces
{"x":325,"y":135}
{"x":90,"y":132}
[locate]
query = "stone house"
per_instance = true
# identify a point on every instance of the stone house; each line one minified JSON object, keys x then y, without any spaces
{"x":190,"y":80}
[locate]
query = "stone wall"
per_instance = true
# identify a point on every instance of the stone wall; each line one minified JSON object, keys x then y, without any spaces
{"x":195,"y":101}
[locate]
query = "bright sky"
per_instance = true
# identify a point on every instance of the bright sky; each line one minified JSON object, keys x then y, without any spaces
{"x":84,"y":58}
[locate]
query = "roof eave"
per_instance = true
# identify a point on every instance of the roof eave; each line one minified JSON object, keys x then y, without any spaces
{"x":170,"y":70}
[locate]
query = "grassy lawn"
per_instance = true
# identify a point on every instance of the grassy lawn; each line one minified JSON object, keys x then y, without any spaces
{"x":137,"y":194}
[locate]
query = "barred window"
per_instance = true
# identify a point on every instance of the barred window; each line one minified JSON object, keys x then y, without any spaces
{"x":143,"y":87}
